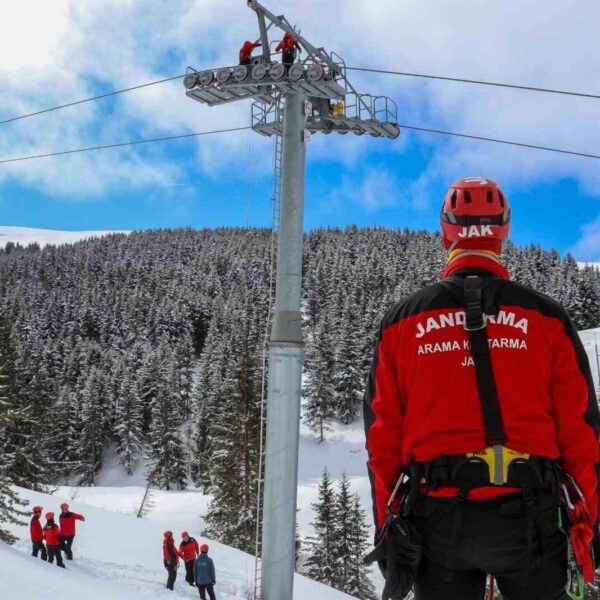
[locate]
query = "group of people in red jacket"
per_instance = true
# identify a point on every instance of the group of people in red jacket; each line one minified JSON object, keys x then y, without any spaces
{"x":288,"y":48}
{"x":199,"y":568}
{"x":52,"y":539}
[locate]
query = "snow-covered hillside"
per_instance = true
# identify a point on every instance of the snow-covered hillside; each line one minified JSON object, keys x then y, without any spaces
{"x":119,"y":557}
{"x":27,"y":235}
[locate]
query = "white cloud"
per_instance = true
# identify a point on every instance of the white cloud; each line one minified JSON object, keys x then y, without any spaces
{"x":587,"y":247}
{"x":75,"y":49}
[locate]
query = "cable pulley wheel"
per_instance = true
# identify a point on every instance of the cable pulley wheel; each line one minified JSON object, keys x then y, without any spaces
{"x":206,"y":78}
{"x":315,"y":72}
{"x":240,"y":73}
{"x":223,"y":75}
{"x":259,"y":72}
{"x":296,"y":72}
{"x":277,"y":72}
{"x":190,"y":81}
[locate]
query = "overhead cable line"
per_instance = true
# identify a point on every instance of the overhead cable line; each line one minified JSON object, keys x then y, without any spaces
{"x":365,"y":69}
{"x":478,"y":82}
{"x":217,"y":131}
{"x":122,"y":144}
{"x":92,"y":98}
{"x":498,"y":141}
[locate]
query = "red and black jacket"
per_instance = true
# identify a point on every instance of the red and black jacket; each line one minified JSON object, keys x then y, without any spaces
{"x":35,"y":529}
{"x":170,"y":554}
{"x":52,"y":534}
{"x":422,"y":401}
{"x":189,"y":550}
{"x":67,"y":522}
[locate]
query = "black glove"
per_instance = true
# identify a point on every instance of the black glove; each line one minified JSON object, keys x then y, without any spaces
{"x":398,"y":553}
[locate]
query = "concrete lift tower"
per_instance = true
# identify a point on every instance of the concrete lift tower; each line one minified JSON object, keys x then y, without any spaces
{"x":312,"y":95}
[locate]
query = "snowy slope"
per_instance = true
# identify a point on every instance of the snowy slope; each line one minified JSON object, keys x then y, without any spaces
{"x":120,"y":557}
{"x":27,"y":235}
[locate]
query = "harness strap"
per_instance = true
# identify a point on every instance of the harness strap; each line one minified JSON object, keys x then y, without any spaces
{"x":484,"y":371}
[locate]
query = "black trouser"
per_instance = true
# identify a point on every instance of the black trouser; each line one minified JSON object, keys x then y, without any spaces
{"x":39,"y":547}
{"x":172,"y":570}
{"x":246,"y":61}
{"x":206,"y":587}
{"x":54,"y":551}
{"x":67,"y":544}
{"x":517,"y":542}
{"x":189,"y":572}
{"x":288,"y":58}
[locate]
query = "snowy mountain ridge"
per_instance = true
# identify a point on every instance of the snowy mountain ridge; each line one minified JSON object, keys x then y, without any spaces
{"x":28,"y":235}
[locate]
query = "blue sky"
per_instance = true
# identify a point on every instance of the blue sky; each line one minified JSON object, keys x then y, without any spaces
{"x":80,"y":50}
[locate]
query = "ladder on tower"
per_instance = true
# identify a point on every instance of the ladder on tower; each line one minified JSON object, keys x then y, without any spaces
{"x":275,"y":206}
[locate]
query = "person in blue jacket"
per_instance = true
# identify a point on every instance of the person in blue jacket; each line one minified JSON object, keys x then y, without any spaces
{"x":204,"y":572}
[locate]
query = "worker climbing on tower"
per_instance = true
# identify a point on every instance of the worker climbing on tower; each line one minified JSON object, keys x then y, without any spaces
{"x":67,"y":528}
{"x":246,"y":52}
{"x":188,"y":550}
{"x":481,"y":426}
{"x":288,"y":47}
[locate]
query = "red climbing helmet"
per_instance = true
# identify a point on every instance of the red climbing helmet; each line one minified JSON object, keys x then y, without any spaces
{"x":475,"y":215}
{"x":204,"y":548}
{"x":168,"y":534}
{"x":36,"y":509}
{"x":49,"y":516}
{"x":185,"y":534}
{"x":64,"y":506}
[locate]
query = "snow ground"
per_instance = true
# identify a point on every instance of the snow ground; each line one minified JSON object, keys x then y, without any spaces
{"x":118,"y":556}
{"x":28,"y":235}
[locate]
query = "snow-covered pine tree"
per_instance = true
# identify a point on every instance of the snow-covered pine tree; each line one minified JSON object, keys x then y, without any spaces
{"x":128,"y":422}
{"x":321,"y":563}
{"x":358,"y":583}
{"x":91,"y":441}
{"x":9,"y":509}
{"x":342,"y":539}
{"x":318,"y":390}
{"x":167,"y":467}
{"x":231,"y":517}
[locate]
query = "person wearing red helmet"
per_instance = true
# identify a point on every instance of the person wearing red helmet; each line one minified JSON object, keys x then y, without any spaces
{"x":170,"y":558}
{"x":204,"y":574}
{"x":288,"y":47}
{"x":67,"y":527}
{"x":188,"y":550}
{"x":52,"y":535}
{"x":246,"y":52}
{"x":37,"y":534}
{"x":479,"y":392}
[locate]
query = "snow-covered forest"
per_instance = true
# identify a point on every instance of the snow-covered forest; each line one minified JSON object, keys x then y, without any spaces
{"x":153,"y":342}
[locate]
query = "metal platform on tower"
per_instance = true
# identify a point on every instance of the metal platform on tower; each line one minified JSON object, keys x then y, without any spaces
{"x":333,"y":104}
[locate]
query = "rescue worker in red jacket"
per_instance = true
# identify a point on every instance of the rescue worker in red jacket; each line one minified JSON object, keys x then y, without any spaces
{"x":67,"y":528}
{"x":37,"y":534}
{"x":246,"y":52}
{"x":288,"y":47}
{"x":53,"y":539}
{"x":170,"y":558}
{"x":480,"y":389}
{"x":188,"y":550}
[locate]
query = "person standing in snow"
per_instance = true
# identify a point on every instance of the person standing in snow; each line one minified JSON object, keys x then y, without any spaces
{"x":204,"y":571}
{"x":480,"y":391}
{"x":53,"y":539}
{"x":37,"y":534}
{"x":188,"y":550}
{"x":171,"y":558}
{"x":67,"y":528}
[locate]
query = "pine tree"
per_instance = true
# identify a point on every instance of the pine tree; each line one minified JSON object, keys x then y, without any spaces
{"x":91,"y":441}
{"x":321,"y":562}
{"x":128,"y":424}
{"x":341,"y":540}
{"x":9,"y":511}
{"x":231,"y":517}
{"x":358,"y":583}
{"x":167,"y":466}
